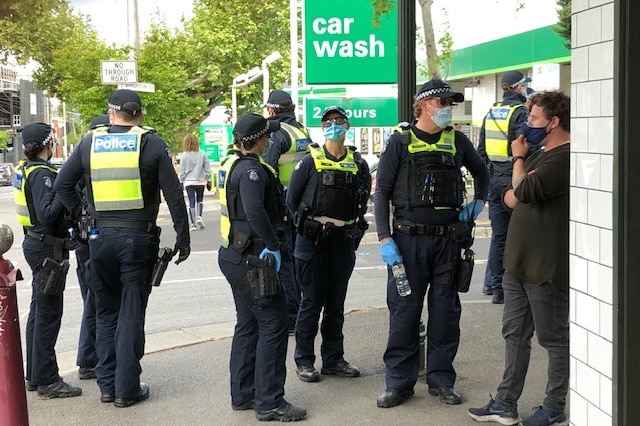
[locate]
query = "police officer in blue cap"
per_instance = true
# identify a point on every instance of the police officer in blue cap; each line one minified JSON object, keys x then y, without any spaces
{"x":251,"y":200}
{"x":42,"y":214}
{"x":125,"y":167}
{"x":327,"y":196}
{"x":419,"y":174}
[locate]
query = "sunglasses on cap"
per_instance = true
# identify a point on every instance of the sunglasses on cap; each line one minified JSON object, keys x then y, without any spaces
{"x":443,"y":101}
{"x":337,"y":120}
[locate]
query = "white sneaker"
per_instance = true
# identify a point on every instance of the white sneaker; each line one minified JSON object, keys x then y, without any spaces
{"x":193,"y":227}
{"x":200,"y":223}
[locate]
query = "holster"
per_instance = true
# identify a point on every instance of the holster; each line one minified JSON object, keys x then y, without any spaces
{"x":262,"y":276}
{"x":53,"y":276}
{"x":160,"y":266}
{"x":465,"y":271}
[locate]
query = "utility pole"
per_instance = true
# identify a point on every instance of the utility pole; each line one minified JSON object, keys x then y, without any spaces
{"x":406,"y":58}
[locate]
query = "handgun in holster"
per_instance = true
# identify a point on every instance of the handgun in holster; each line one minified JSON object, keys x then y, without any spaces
{"x":465,"y":270}
{"x":53,"y":276}
{"x":262,"y":276}
{"x":160,"y":266}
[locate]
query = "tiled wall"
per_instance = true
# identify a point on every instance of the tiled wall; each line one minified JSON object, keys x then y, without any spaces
{"x":591,"y":241}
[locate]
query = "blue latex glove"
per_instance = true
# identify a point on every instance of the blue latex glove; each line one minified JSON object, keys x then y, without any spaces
{"x":275,"y":254}
{"x":470,"y":211}
{"x":390,"y":253}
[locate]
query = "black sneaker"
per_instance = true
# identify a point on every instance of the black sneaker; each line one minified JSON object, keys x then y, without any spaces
{"x":487,"y":290}
{"x":342,"y":369}
{"x":284,"y":413}
{"x":86,"y":373}
{"x":308,"y":373}
{"x":29,"y":386}
{"x":545,"y":417}
{"x":242,"y":406}
{"x":58,"y":389}
{"x":493,"y":412}
{"x":498,"y":299}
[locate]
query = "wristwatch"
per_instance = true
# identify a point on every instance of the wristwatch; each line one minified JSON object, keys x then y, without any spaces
{"x":516,"y":158}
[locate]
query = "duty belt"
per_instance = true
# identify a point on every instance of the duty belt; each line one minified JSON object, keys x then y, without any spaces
{"x":139,"y":225}
{"x":422,"y":229}
{"x":58,"y":244}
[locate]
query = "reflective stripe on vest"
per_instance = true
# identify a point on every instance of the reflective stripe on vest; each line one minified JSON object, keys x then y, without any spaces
{"x":299,"y":146}
{"x":20,"y":176}
{"x":224,"y":174}
{"x":115,"y":169}
{"x":320,"y":160}
{"x":446,"y":143}
{"x":496,"y":131}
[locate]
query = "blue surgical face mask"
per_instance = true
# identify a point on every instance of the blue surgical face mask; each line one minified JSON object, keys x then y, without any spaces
{"x":534,"y":135}
{"x":442,"y":117}
{"x":335,"y":132}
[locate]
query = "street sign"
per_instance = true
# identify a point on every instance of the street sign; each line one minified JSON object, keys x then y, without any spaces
{"x":362,"y":112}
{"x":117,"y":72}
{"x":341,"y":45}
{"x":138,"y":87}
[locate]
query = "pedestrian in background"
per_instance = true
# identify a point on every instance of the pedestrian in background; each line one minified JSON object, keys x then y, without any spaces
{"x":195,"y":175}
{"x":87,"y":357}
{"x":419,"y":174}
{"x":500,"y":127}
{"x":44,"y":220}
{"x":327,"y":195}
{"x":287,"y":146}
{"x":536,"y":279}
{"x":125,"y":167}
{"x":251,"y":200}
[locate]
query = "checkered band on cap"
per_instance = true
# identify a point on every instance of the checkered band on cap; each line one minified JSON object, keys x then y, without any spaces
{"x":519,"y":82}
{"x":50,"y":137}
{"x":271,"y":105}
{"x":433,"y":92}
{"x":258,"y":135}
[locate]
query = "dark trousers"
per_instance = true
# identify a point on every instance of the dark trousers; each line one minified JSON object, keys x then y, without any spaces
{"x":323,"y":279}
{"x":421,"y":254}
{"x":43,"y":322}
{"x":287,"y":273}
{"x":500,"y":218}
{"x":87,"y":357}
{"x":121,"y":260}
{"x":259,"y":346}
{"x":195,"y":193}
{"x":545,"y":309}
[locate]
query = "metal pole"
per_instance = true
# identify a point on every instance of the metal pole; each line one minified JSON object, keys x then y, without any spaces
{"x":64,"y":130}
{"x":136,"y":26}
{"x":406,"y":58}
{"x":265,"y":85}
{"x":293,"y":40}
{"x":234,"y":103}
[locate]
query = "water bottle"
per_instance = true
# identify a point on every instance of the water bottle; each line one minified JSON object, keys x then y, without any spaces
{"x":402,"y":283}
{"x":93,"y":235}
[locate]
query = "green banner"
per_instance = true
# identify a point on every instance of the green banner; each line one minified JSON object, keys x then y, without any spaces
{"x":362,"y":112}
{"x":214,"y":140}
{"x":343,"y":47}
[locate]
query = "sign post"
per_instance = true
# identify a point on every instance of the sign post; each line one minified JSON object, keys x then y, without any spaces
{"x":118,"y":72}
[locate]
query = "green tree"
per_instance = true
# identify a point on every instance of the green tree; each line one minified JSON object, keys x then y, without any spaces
{"x":564,"y":21}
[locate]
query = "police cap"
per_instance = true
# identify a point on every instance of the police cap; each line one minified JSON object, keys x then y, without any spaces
{"x":333,"y":108}
{"x":251,"y":127}
{"x":126,"y":100}
{"x":439,"y":89}
{"x":277,"y":98}
{"x":513,"y":79}
{"x":99,"y":120}
{"x":40,"y":133}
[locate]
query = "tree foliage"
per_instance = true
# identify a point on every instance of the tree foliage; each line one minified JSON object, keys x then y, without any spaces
{"x":564,"y":21}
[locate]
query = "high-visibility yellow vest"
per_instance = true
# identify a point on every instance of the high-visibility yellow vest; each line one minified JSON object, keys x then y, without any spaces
{"x":115,"y":169}
{"x":496,"y":131}
{"x":20,"y":177}
{"x":230,"y":214}
{"x":320,"y":160}
{"x":299,"y":144}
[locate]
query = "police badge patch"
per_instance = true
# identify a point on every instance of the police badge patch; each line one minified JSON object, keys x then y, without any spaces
{"x":48,"y":182}
{"x":253,"y":175}
{"x":298,"y":165}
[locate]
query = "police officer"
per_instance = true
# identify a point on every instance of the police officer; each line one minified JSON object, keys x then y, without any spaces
{"x":87,"y":357}
{"x":419,"y":173}
{"x":327,"y":195}
{"x":501,"y":125}
{"x":125,"y":166}
{"x":251,"y":200}
{"x":42,"y":215}
{"x":287,"y":146}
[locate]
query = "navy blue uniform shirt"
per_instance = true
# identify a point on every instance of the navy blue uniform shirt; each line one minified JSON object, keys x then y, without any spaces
{"x":47,"y":206}
{"x":155,"y":161}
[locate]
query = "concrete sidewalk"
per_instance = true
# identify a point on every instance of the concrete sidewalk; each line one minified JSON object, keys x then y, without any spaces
{"x":188,"y":374}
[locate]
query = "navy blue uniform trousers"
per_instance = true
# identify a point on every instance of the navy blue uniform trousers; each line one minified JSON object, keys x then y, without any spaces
{"x":287,"y":271}
{"x":43,"y":322}
{"x":421,"y":254}
{"x":259,"y":346}
{"x":323,"y":271}
{"x":120,"y":262}
{"x":87,"y":357}
{"x":500,"y":218}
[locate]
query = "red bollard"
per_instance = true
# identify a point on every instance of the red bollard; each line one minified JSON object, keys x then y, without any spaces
{"x":13,"y":397}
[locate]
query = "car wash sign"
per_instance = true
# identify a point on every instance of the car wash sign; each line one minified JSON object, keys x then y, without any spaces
{"x":343,"y":47}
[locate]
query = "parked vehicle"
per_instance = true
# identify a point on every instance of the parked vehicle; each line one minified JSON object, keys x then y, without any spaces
{"x":6,"y":173}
